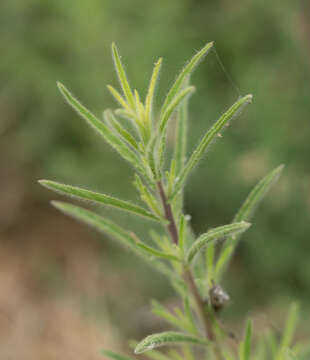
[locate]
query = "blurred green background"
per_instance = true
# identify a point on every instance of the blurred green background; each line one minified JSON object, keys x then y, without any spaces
{"x":69,"y":288}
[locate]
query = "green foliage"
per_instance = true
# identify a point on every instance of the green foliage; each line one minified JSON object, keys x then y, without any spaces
{"x":245,"y":345}
{"x":268,"y":39}
{"x":98,"y":198}
{"x":215,"y":234}
{"x":166,"y":338}
{"x":143,"y":145}
{"x":207,"y":140}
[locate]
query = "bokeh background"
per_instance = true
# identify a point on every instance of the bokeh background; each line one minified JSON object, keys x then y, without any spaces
{"x":67,"y":292}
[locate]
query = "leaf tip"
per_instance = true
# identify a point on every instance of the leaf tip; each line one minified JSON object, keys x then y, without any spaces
{"x":42,"y":182}
{"x":280,"y":168}
{"x":58,"y":204}
{"x":248,"y":98}
{"x":59,"y":85}
{"x":246,"y":224}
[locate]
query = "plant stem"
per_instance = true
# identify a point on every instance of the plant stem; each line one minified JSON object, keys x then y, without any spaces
{"x":171,"y":227}
{"x":187,"y":274}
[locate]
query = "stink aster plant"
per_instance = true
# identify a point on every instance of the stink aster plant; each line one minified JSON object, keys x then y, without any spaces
{"x":194,"y":265}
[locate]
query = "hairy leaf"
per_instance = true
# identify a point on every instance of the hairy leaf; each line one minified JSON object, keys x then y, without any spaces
{"x":118,"y":97}
{"x":166,"y":338}
{"x":174,"y":104}
{"x":208,"y":139}
{"x":245,"y":213}
{"x":157,"y":253}
{"x":150,"y":93}
{"x":114,"y":356}
{"x":111,"y":120}
{"x":104,"y":225}
{"x":122,"y":77}
{"x":215,"y":234}
{"x":80,"y":193}
{"x":245,"y":346}
{"x":181,"y":137}
{"x":98,"y":222}
{"x":99,"y":126}
{"x":257,"y":194}
{"x":290,"y":326}
{"x":186,"y":71}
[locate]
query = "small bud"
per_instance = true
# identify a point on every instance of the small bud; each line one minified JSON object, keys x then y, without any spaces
{"x":218,"y":297}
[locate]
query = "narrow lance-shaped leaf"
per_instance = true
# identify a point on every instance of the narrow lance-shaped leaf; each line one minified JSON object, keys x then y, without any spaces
{"x":180,"y":147}
{"x":210,"y":263}
{"x":182,"y":228}
{"x":181,"y":137}
{"x":104,"y":225}
{"x":148,"y":197}
{"x":157,"y":355}
{"x":166,"y":338}
{"x":162,"y":312}
{"x":174,"y":104}
{"x":121,"y":131}
{"x":245,"y":348}
{"x":99,"y":126}
{"x":150,"y":94}
{"x":187,"y":70}
{"x":114,"y":356}
{"x":245,"y":213}
{"x":98,"y":222}
{"x":215,"y":234}
{"x":181,"y":96}
{"x":122,"y":77}
{"x":209,"y":138}
{"x":118,"y":97}
{"x":257,"y":194}
{"x":154,"y":252}
{"x":84,"y":194}
{"x":289,"y":330}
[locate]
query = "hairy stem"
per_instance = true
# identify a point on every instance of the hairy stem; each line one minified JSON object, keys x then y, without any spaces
{"x":187,"y":274}
{"x":171,"y":227}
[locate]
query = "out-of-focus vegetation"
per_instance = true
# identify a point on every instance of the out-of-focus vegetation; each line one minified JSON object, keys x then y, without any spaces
{"x":263,"y":45}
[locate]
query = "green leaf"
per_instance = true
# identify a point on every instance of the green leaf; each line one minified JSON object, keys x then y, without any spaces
{"x":97,"y":221}
{"x":156,"y":355}
{"x":186,"y":92}
{"x":181,"y":140}
{"x":161,"y":311}
{"x":290,"y":326}
{"x":208,"y":139}
{"x":114,"y":356}
{"x":245,"y":213}
{"x":223,"y":259}
{"x":185,"y":73}
{"x":118,"y":97}
{"x":245,"y":346}
{"x":182,"y":228}
{"x":148,"y":197}
{"x":166,"y":338}
{"x":215,"y":234}
{"x":83,"y":194}
{"x":99,"y":126}
{"x":210,"y":263}
{"x":257,"y":194}
{"x":111,"y":120}
{"x":157,"y":253}
{"x":102,"y":224}
{"x":122,"y":77}
{"x":150,"y":93}
{"x":183,"y":321}
{"x":161,"y":146}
